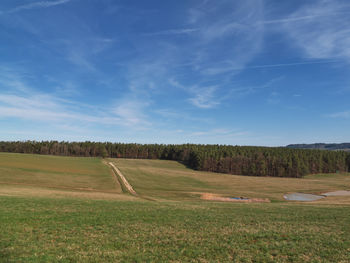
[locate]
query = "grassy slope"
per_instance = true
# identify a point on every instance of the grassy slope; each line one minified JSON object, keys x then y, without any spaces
{"x":64,"y":230}
{"x":172,"y":180}
{"x":39,"y":228}
{"x":57,"y":172}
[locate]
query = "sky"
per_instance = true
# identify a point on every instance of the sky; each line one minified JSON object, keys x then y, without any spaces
{"x":238,"y":72}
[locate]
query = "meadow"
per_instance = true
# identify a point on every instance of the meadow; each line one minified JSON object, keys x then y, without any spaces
{"x":45,"y":175}
{"x":69,"y":209}
{"x":170,"y":180}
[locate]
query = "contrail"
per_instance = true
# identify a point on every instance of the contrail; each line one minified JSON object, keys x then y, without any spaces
{"x":41,"y":4}
{"x":289,"y":64}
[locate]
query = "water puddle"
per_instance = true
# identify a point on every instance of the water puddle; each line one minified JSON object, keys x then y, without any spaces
{"x":302,"y":197}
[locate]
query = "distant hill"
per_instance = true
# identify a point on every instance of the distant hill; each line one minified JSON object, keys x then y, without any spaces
{"x":322,"y":146}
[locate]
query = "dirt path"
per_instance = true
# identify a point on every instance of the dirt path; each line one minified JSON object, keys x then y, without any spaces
{"x":123,"y":179}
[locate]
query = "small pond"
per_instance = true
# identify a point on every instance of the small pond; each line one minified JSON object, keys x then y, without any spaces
{"x":302,"y":197}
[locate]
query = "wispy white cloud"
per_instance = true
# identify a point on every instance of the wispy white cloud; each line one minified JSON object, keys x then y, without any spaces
{"x":342,"y":114}
{"x":301,"y":18}
{"x":13,"y":82}
{"x":229,"y":41}
{"x":39,"y":101}
{"x":274,"y":98}
{"x":238,"y":91}
{"x":167,"y":113}
{"x":82,"y":51}
{"x":48,"y":109}
{"x":181,"y":31}
{"x":203,"y":97}
{"x":80,"y":45}
{"x":343,"y":90}
{"x":19,"y":100}
{"x":220,"y":133}
{"x":81,"y":60}
{"x":194,"y":14}
{"x":36,"y":5}
{"x":44,"y":109}
{"x":179,"y":114}
{"x":207,"y":97}
{"x":7,"y":81}
{"x":227,"y":68}
{"x":321,"y":29}
{"x":67,"y":89}
{"x":131,"y":113}
{"x":222,"y":29}
{"x":143,"y":78}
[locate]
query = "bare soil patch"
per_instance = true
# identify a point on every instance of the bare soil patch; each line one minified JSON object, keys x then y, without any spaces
{"x":216,"y":197}
{"x":338,"y":193}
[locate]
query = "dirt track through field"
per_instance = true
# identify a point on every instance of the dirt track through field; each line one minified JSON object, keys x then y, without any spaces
{"x":123,"y":179}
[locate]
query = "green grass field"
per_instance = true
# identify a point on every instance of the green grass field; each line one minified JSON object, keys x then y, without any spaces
{"x":59,"y":209}
{"x":42,"y":175}
{"x":171,"y":180}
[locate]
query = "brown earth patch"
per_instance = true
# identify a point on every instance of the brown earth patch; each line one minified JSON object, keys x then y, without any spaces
{"x":215,"y":197}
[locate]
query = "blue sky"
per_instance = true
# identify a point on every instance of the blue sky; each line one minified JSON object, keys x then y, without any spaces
{"x":245,"y":72}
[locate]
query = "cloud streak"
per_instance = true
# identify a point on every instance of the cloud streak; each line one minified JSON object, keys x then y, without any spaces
{"x":181,"y":31}
{"x":202,"y":97}
{"x":19,"y":100}
{"x":323,"y":33}
{"x":37,"y":5}
{"x":130,"y":113}
{"x":230,"y":41}
{"x":222,"y":70}
{"x":225,"y":133}
{"x":48,"y":109}
{"x":341,"y":115}
{"x":301,"y":18}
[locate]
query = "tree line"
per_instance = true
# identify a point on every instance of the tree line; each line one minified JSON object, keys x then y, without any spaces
{"x":239,"y":160}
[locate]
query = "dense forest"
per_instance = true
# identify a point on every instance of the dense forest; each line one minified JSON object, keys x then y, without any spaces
{"x":322,"y":146}
{"x":239,"y":160}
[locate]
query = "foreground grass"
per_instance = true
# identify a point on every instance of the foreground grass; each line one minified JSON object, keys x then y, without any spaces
{"x":50,"y":212}
{"x":57,"y":172}
{"x":162,"y":179}
{"x":71,"y":230}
